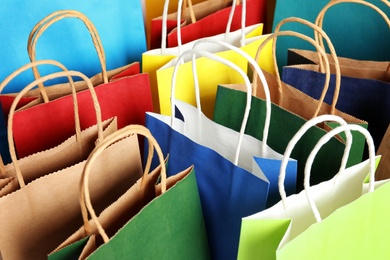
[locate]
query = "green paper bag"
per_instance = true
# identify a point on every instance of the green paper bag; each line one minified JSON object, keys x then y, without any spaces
{"x":170,"y":227}
{"x":293,"y":228}
{"x":284,"y":124}
{"x":146,"y":222}
{"x":291,"y":108}
{"x":357,"y":231}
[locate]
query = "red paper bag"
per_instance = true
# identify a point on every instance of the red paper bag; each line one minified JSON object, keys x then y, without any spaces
{"x":126,"y":96}
{"x":72,"y":151}
{"x":216,"y":23}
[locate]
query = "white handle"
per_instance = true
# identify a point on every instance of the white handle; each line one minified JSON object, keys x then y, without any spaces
{"x":324,"y":139}
{"x":312,"y":122}
{"x":164,"y":28}
{"x":214,"y":57}
{"x":262,"y":79}
{"x":243,"y":21}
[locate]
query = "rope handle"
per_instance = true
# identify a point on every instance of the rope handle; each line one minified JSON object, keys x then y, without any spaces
{"x":31,"y":86}
{"x":323,"y":140}
{"x":193,"y":53}
{"x":85,"y":199}
{"x":273,"y":36}
{"x":318,"y":30}
{"x":42,"y":25}
{"x":294,"y":140}
{"x":320,"y":17}
{"x":255,"y":67}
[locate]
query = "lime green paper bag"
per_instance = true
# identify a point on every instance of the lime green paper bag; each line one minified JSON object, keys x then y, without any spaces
{"x":357,"y":231}
{"x":332,"y":220}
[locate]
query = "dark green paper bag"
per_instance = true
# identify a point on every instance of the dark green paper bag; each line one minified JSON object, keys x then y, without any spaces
{"x":290,"y":109}
{"x":284,"y":124}
{"x":170,"y":227}
{"x":145,"y":223}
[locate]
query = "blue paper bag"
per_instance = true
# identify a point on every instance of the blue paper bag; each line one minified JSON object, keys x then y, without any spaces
{"x":227,"y":192}
{"x":120,"y":25}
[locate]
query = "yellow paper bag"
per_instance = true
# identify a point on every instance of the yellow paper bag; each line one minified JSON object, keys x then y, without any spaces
{"x":156,"y":60}
{"x":211,"y":73}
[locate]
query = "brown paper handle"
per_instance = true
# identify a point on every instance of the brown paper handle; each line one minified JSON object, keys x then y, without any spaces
{"x":306,"y":38}
{"x":319,"y":30}
{"x":31,"y":86}
{"x":85,"y":200}
{"x":190,"y":9}
{"x":8,"y":79}
{"x":41,"y":26}
{"x":305,"y":22}
{"x":5,"y":82}
{"x":320,"y":17}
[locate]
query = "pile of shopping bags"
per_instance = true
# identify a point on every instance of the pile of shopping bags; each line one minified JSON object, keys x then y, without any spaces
{"x":189,"y":129}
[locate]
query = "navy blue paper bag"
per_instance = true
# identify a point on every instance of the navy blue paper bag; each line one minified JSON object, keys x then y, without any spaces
{"x":364,"y":98}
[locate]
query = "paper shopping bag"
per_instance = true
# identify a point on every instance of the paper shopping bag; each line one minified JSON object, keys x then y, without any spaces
{"x":368,"y":44}
{"x":56,"y":195}
{"x":219,"y":22}
{"x":364,"y":84}
{"x":154,"y":60}
{"x":32,"y":98}
{"x":72,"y":151}
{"x":131,"y":92}
{"x":277,"y":232}
{"x":366,"y":217}
{"x":242,"y":150}
{"x":109,"y":18}
{"x":141,"y":217}
{"x":205,"y":68}
{"x":291,"y":108}
{"x":127,"y":98}
{"x":47,"y":209}
{"x":227,"y":192}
